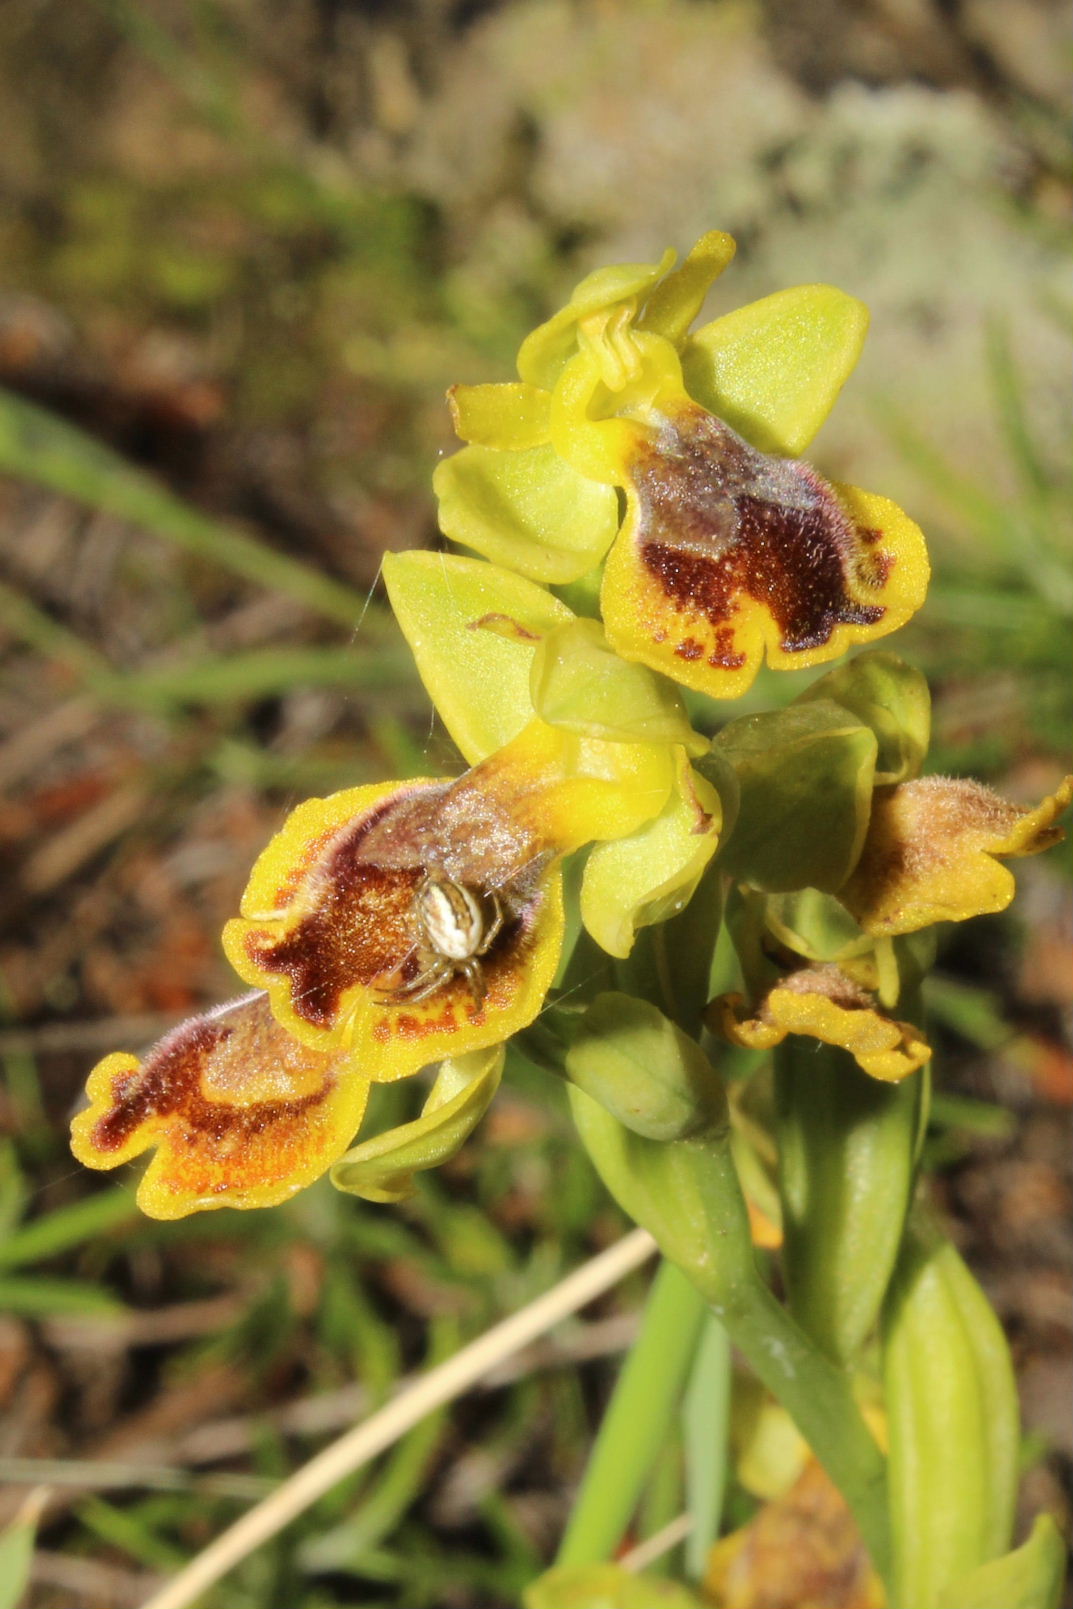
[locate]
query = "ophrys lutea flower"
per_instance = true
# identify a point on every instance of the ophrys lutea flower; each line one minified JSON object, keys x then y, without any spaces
{"x":730,"y":551}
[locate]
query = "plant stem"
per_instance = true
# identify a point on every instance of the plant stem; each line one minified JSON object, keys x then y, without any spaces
{"x":686,"y":1193}
{"x":815,"y":1392}
{"x":634,"y":1428}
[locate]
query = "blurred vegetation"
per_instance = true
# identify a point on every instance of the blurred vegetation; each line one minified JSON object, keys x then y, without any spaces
{"x":245,"y":248}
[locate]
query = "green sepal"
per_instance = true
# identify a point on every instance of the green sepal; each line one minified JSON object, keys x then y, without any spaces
{"x":528,"y":509}
{"x":604,"y":1586}
{"x":806,"y":776}
{"x":472,"y":628}
{"x":579,"y":683}
{"x":1031,"y":1577}
{"x":382,"y":1169}
{"x":953,"y":1422}
{"x":773,"y":369}
{"x":545,"y":351}
{"x":649,"y":877}
{"x":892,"y":698}
{"x":847,"y":1146}
{"x":643,"y":1069}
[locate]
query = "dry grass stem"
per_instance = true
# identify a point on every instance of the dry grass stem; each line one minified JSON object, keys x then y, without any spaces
{"x":361,"y":1444}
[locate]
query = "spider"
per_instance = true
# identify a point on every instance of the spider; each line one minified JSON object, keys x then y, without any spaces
{"x":455,"y":933}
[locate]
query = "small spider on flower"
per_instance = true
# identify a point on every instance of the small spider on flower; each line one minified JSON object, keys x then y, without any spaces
{"x":454,"y":933}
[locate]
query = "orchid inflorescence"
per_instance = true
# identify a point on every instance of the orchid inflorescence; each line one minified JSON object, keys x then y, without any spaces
{"x":647,"y":540}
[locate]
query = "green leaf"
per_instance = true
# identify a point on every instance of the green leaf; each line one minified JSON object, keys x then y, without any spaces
{"x":382,"y":1169}
{"x":66,"y":1227}
{"x":892,"y":698}
{"x":1031,"y":1577}
{"x":52,"y":1298}
{"x":773,"y":369}
{"x":806,"y":776}
{"x":579,"y":683}
{"x":472,"y":628}
{"x":17,"y":1550}
{"x":643,"y":1069}
{"x":527,"y":509}
{"x":605,"y":1586}
{"x":953,"y":1422}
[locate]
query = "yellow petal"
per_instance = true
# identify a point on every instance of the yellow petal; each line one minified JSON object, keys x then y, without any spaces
{"x":633,"y":882}
{"x":551,"y":344}
{"x":240,"y":1113}
{"x":382,"y":1168}
{"x":511,"y":416}
{"x":678,"y":298}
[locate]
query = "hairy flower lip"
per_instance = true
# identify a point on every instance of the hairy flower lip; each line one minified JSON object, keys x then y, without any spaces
{"x":933,"y":852}
{"x":239,"y":1112}
{"x":729,"y":555}
{"x":344,"y":936}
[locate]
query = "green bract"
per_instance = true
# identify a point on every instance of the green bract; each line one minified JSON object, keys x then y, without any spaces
{"x":893,"y":699}
{"x":643,"y":1069}
{"x":1030,"y":1577}
{"x":806,"y":775}
{"x":847,"y":1145}
{"x":953,"y":1423}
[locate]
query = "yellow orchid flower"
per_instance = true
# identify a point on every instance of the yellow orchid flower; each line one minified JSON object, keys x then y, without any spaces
{"x":730,"y":551}
{"x":417,"y":920}
{"x":933,"y":852}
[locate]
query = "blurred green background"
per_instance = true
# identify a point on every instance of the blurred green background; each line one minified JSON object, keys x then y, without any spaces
{"x":244,"y":247}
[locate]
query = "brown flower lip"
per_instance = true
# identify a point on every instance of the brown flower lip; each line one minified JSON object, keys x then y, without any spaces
{"x":719,"y":519}
{"x":362,"y":928}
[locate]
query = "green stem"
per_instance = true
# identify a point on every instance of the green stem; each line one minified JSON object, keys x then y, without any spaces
{"x":686,"y":1193}
{"x":635,"y":1426}
{"x":815,"y":1392}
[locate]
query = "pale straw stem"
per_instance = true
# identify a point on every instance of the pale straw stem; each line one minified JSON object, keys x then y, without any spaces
{"x":362,"y":1443}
